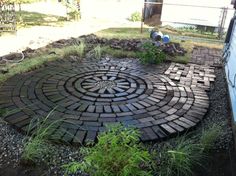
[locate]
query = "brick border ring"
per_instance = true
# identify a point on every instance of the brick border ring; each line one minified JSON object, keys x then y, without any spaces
{"x":93,"y":97}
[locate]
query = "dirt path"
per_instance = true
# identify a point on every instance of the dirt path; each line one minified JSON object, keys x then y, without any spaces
{"x":39,"y":36}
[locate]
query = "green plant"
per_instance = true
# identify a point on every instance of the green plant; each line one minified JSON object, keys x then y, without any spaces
{"x":151,"y":54}
{"x":40,"y":131}
{"x":179,"y":158}
{"x":136,"y":16}
{"x":97,"y":52}
{"x":210,"y":135}
{"x":74,"y":50}
{"x":117,"y":153}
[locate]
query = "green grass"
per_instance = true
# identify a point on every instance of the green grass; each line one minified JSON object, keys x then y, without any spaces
{"x":117,"y":53}
{"x":187,"y":32}
{"x":123,"y":33}
{"x":41,"y":58}
{"x":28,"y":19}
{"x":27,"y":65}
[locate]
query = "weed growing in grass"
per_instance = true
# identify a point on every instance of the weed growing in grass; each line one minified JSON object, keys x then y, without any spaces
{"x":41,"y":130}
{"x":210,"y":135}
{"x":117,"y":153}
{"x":151,"y":54}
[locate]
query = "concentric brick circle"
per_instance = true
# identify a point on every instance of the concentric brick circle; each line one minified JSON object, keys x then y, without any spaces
{"x":92,"y":95}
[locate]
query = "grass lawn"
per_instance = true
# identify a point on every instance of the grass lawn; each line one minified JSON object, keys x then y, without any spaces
{"x":188,"y":32}
{"x":28,"y":19}
{"x":123,"y":33}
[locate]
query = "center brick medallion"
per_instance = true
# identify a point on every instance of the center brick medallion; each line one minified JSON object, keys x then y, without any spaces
{"x":96,"y":96}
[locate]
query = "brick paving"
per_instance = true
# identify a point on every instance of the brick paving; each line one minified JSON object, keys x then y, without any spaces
{"x":191,"y":75}
{"x":94,"y":93}
{"x":206,"y":56}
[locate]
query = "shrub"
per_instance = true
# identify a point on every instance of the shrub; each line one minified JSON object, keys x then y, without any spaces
{"x":151,"y":54}
{"x":117,"y":153}
{"x":136,"y":16}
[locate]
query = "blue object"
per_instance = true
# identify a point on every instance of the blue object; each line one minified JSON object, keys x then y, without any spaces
{"x":166,"y":38}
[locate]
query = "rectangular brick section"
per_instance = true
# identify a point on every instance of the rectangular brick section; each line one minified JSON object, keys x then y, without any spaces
{"x":159,"y":131}
{"x":90,"y":137}
{"x":148,"y":134}
{"x":69,"y":135}
{"x":79,"y":137}
{"x":168,"y":128}
{"x":175,"y":126}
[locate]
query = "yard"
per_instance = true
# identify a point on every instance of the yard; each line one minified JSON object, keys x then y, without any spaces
{"x":111,"y":103}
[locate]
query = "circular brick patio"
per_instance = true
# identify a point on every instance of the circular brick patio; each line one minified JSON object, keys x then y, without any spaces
{"x":92,"y":94}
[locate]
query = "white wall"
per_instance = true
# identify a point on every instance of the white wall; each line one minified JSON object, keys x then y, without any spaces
{"x":198,"y":12}
{"x":110,"y":9}
{"x":230,"y":70}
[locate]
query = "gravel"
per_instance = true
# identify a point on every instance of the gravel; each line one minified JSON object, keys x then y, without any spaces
{"x":219,"y":111}
{"x":11,"y":148}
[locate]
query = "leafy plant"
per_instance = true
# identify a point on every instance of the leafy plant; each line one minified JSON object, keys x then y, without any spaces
{"x":179,"y":158}
{"x":117,"y":153}
{"x":136,"y":16}
{"x":40,"y":130}
{"x":210,"y":135}
{"x":151,"y":54}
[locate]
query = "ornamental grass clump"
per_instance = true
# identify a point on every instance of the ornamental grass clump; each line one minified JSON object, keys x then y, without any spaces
{"x":209,"y":136}
{"x":40,"y":131}
{"x":179,"y":157}
{"x":76,"y":49}
{"x":117,"y":153}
